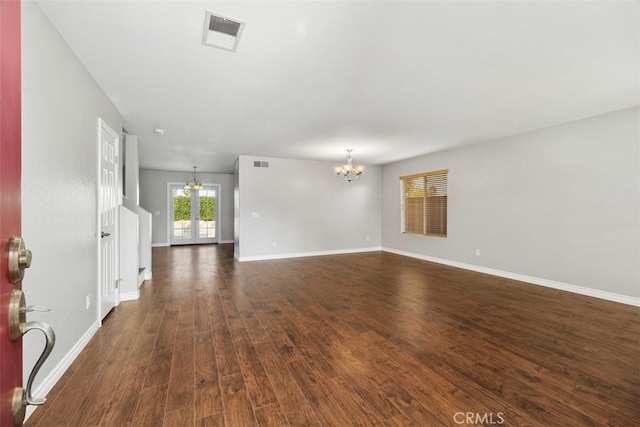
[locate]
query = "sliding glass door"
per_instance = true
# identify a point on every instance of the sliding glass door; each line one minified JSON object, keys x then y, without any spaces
{"x":193,"y":218}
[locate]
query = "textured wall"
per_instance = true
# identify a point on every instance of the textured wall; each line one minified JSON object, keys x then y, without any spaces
{"x":559,"y":203}
{"x":61,"y":107}
{"x":300,"y":206}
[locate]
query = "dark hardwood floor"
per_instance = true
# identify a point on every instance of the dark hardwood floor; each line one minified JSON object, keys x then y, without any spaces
{"x":363,"y":339}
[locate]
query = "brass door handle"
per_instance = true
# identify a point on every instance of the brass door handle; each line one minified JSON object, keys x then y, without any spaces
{"x":22,"y":396}
{"x":50,"y":338}
{"x":18,"y":326}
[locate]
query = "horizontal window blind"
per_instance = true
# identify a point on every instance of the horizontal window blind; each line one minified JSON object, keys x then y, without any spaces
{"x":424,"y":203}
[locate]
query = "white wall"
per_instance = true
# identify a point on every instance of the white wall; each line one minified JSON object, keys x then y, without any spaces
{"x":298,"y":207}
{"x":154,"y":198}
{"x":60,"y":111}
{"x":236,"y":209}
{"x":129,"y":155}
{"x":561,"y":204}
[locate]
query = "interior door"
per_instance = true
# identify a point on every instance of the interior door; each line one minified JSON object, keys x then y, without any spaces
{"x":108,"y":205}
{"x":193,"y":218}
{"x":10,"y":169}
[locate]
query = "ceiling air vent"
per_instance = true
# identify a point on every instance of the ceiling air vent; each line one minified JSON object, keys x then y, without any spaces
{"x":222,"y":32}
{"x":260,"y":164}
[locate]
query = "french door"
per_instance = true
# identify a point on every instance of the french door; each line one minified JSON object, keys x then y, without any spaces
{"x":193,"y":215}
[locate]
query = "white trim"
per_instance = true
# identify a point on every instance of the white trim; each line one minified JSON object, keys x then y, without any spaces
{"x":98,"y":222}
{"x":130,"y":296}
{"x":590,"y":292}
{"x":166,"y":245}
{"x":218,"y":231}
{"x":308,"y":254}
{"x":56,"y":373}
{"x":103,"y":125}
{"x":169,"y":213}
{"x":218,"y":211}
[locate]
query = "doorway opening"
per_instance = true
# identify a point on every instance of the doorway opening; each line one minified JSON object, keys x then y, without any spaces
{"x":193,"y":215}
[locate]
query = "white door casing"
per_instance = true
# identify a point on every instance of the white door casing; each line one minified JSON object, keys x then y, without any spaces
{"x":193,"y":229}
{"x":108,"y":150}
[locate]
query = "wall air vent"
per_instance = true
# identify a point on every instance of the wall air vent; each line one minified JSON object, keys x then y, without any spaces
{"x":260,"y":164}
{"x":222,"y":32}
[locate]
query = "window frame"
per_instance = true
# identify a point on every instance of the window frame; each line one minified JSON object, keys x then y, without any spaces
{"x":440,"y":207}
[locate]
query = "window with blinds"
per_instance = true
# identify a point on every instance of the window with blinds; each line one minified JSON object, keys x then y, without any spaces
{"x":424,"y":203}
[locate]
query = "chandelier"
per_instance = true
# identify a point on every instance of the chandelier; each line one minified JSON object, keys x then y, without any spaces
{"x":195,"y":185}
{"x":348,"y":171}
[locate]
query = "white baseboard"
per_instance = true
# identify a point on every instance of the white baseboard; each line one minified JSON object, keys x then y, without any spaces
{"x":308,"y":254}
{"x":129,"y":296}
{"x":164,"y":245}
{"x":596,"y":293}
{"x":148,"y":275}
{"x":54,"y":376}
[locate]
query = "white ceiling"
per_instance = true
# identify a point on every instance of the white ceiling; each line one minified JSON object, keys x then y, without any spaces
{"x":390,"y":79}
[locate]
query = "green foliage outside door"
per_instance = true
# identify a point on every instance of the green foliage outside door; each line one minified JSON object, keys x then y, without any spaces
{"x":182,"y":208}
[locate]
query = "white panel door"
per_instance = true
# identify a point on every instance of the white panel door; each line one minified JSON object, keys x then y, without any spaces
{"x":108,"y":205}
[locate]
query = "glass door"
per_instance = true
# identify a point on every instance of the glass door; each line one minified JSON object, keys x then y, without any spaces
{"x":206,"y":202}
{"x":193,"y":217}
{"x":181,"y":218}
